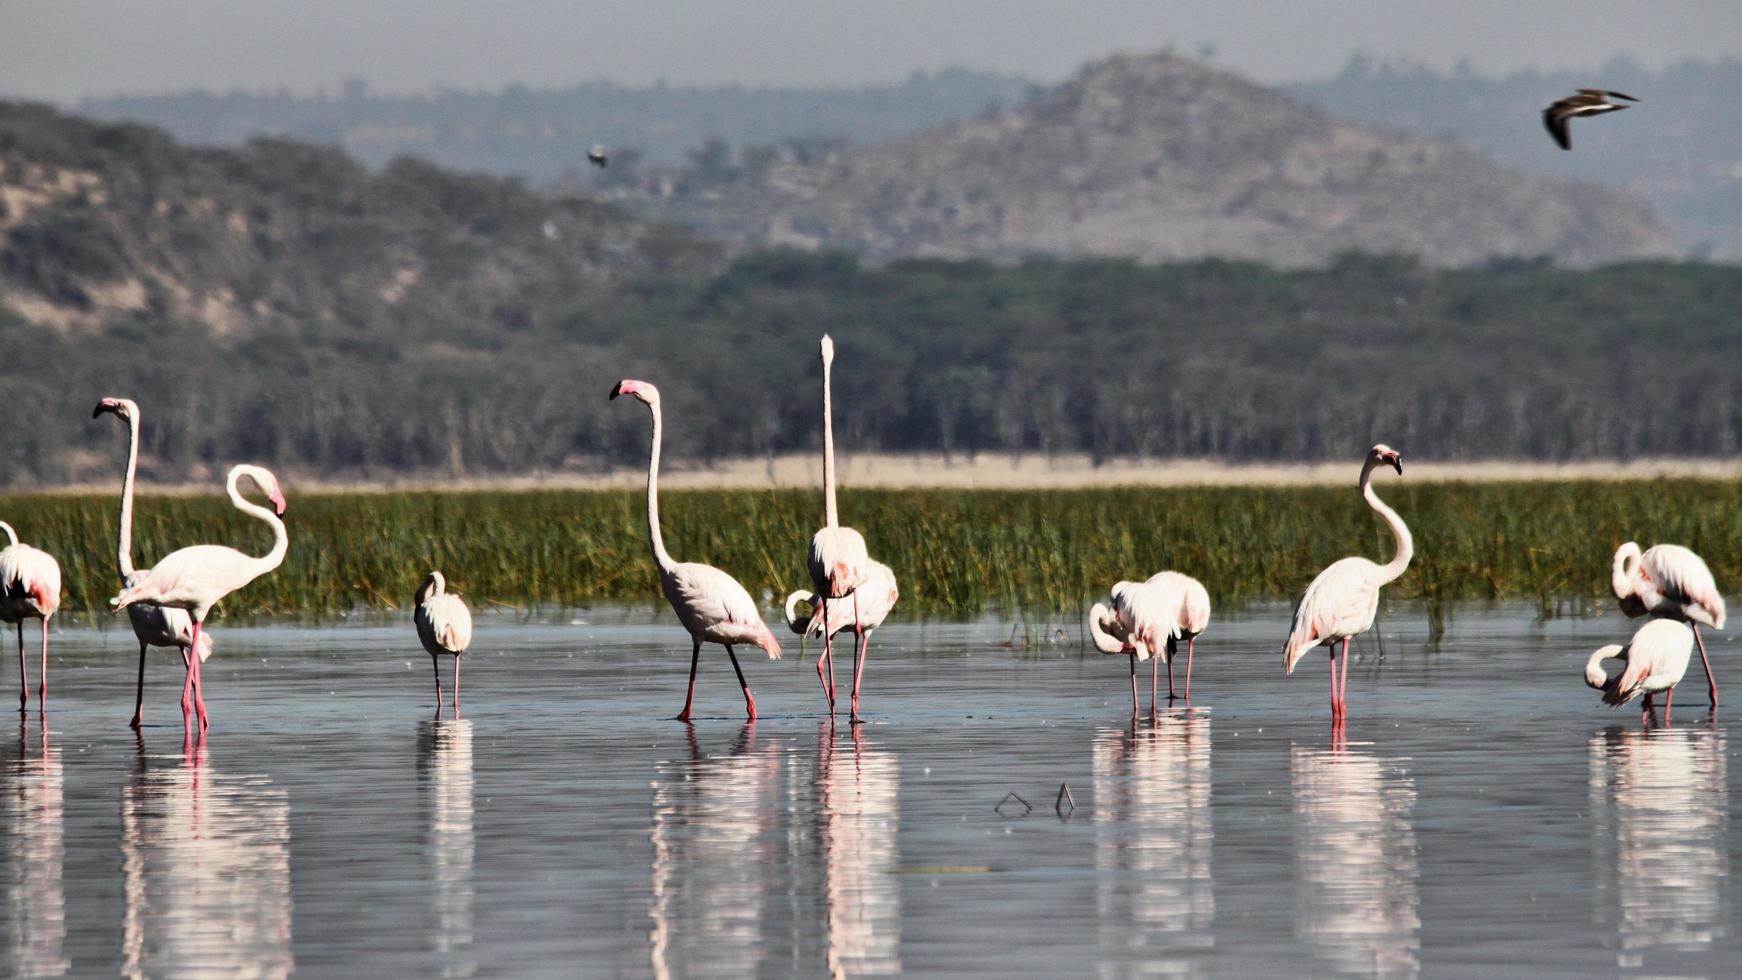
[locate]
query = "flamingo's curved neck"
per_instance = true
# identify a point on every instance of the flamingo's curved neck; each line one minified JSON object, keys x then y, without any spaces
{"x":11,"y":535}
{"x":830,"y":515}
{"x":1104,"y":641}
{"x":1621,"y":570}
{"x":653,"y":536}
{"x":1399,"y":530}
{"x":280,"y":537}
{"x":124,"y":547}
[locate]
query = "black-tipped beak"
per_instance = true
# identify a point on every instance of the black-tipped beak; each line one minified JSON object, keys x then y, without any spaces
{"x":1397,"y":464}
{"x":616,"y":389}
{"x":102,"y":406}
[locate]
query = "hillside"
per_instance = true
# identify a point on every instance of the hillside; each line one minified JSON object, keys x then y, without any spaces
{"x":1162,"y":158}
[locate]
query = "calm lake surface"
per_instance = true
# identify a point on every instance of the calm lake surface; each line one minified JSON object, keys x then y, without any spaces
{"x":1486,"y":816}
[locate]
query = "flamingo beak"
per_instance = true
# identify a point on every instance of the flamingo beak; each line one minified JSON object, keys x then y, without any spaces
{"x":1397,"y":463}
{"x":278,"y":505}
{"x":106,"y":405}
{"x":616,"y":389}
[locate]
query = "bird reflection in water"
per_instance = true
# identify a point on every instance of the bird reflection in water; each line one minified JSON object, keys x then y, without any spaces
{"x":33,"y":907}
{"x":1355,"y":860}
{"x":205,"y":863}
{"x":860,"y":816}
{"x":1154,"y":895}
{"x":1660,"y":819}
{"x":444,"y":768}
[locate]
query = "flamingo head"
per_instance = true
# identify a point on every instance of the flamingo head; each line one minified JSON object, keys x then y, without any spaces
{"x":828,"y":347}
{"x":121,"y":407}
{"x":433,"y":585}
{"x":1383,"y":455}
{"x":648,"y":394}
{"x":269,"y":483}
{"x":1621,"y":570}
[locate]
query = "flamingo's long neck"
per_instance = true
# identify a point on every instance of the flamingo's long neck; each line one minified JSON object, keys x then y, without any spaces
{"x":124,"y":548}
{"x":653,"y":537}
{"x":1399,"y":530}
{"x":1621,"y":570}
{"x":280,"y":537}
{"x":11,"y":535}
{"x":830,"y":515}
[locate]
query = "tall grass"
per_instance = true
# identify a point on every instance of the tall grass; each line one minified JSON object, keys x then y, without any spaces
{"x":953,"y":551}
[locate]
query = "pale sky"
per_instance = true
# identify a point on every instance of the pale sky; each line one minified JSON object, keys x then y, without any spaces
{"x":62,"y":49}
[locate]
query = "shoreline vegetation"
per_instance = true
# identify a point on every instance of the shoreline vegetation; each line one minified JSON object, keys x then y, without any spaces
{"x":955,"y":551}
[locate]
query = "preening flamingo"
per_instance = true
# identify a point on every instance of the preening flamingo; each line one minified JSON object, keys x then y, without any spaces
{"x":155,"y":626}
{"x":1669,"y":582}
{"x":444,"y":624}
{"x":29,"y":589}
{"x":1656,"y":659}
{"x":1193,"y":601}
{"x":872,"y":601}
{"x":838,"y":561}
{"x":197,"y":578}
{"x":1162,"y":610}
{"x":712,"y":606}
{"x":1342,"y":601}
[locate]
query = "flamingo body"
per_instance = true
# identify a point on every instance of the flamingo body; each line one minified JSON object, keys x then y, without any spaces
{"x":444,"y":627}
{"x":876,"y":599}
{"x":1656,"y":658}
{"x":29,"y":589}
{"x":838,"y":561}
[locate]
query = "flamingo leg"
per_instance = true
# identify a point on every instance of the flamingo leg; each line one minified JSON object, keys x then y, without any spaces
{"x":1343,"y":681}
{"x":139,"y":691}
{"x":859,"y":672}
{"x":1134,"y":683}
{"x":749,"y":699}
{"x":1155,"y":682}
{"x":1645,"y":711}
{"x":187,"y":691}
{"x":823,"y":671}
{"x":858,"y":654}
{"x":436,"y":669}
{"x":1711,"y":682}
{"x":1668,"y":699}
{"x":689,"y":699}
{"x":1191,"y":645}
{"x":457,"y":659}
{"x":42,"y":691}
{"x":23,"y":671}
{"x":828,"y":651}
{"x":1170,"y":649}
{"x":199,"y":682}
{"x":1336,"y":706}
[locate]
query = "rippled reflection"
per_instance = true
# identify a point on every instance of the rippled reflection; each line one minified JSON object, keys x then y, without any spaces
{"x":1355,"y":861}
{"x":33,"y":906}
{"x":1155,"y":899}
{"x":1660,"y":815}
{"x":860,"y":816}
{"x":444,"y":763}
{"x":205,"y":861}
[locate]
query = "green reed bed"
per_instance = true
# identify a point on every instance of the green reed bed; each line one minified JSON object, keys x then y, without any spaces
{"x":953,"y":551}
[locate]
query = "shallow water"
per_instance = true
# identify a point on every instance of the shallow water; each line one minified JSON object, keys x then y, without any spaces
{"x":1486,"y":815}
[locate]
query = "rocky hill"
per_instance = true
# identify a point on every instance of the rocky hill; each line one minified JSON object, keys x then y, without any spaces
{"x":1162,"y":157}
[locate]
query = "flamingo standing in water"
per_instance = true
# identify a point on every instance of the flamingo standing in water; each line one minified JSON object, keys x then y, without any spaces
{"x":1193,"y":601}
{"x":1135,"y":620}
{"x":1656,"y":659}
{"x":1669,"y":582}
{"x":872,"y":601}
{"x":29,"y":589}
{"x":444,"y":624}
{"x":837,"y":561}
{"x":197,"y":578}
{"x":155,"y":626}
{"x":712,"y":606}
{"x":1343,"y":600}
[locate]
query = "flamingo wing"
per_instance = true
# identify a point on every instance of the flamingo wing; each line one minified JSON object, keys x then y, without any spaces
{"x":1680,"y":576}
{"x":713,"y":605}
{"x":1340,"y":602}
{"x":30,"y":578}
{"x":838,"y":561}
{"x":445,"y":622}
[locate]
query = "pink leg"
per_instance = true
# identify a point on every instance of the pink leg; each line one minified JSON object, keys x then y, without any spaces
{"x":749,"y":699}
{"x":1336,"y":706}
{"x":1668,"y":699}
{"x":828,"y":652}
{"x":859,"y":671}
{"x":1711,"y":682}
{"x":139,"y":692}
{"x":858,"y":655}
{"x":199,"y":682}
{"x":1133,"y":683}
{"x":187,"y":691}
{"x":457,"y":686}
{"x":1343,"y":680}
{"x":436,"y":669}
{"x":42,"y":692}
{"x":23,"y":671}
{"x":1191,"y":644}
{"x":689,"y":699}
{"x":1155,"y":682}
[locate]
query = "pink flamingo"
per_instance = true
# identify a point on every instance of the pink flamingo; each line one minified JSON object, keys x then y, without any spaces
{"x":29,"y":589}
{"x":1136,"y":621}
{"x":153,"y":625}
{"x":197,"y":578}
{"x":712,"y":606}
{"x":1669,"y":582}
{"x":1193,"y":601}
{"x":838,"y":561}
{"x":444,"y":624}
{"x":872,"y":601}
{"x":1656,"y":659}
{"x":1343,"y":600}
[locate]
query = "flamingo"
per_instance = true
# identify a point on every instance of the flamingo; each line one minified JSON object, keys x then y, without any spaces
{"x":1135,"y":621}
{"x":1669,"y":582}
{"x":197,"y":578}
{"x":838,"y":561}
{"x":29,"y":589}
{"x":444,"y":624}
{"x":155,"y":626}
{"x":1342,"y":601}
{"x":1656,"y":659}
{"x":712,"y":606}
{"x":879,"y":595}
{"x":1193,"y":601}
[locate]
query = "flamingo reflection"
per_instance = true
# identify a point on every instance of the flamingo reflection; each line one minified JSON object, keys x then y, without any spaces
{"x":33,"y":907}
{"x":1660,"y":819}
{"x":1154,"y":895}
{"x":444,"y":764}
{"x":205,"y":863}
{"x":860,"y":814}
{"x":1355,"y":860}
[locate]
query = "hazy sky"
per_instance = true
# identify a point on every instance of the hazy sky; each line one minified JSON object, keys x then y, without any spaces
{"x":61,"y":49}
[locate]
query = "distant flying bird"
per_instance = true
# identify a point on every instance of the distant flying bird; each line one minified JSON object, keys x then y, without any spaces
{"x":444,"y":624}
{"x":837,"y":559}
{"x":1667,"y":581}
{"x":712,"y":606}
{"x":1343,"y":600}
{"x":29,"y":589}
{"x":1656,"y":659}
{"x":155,"y":626}
{"x":1589,"y":102}
{"x":596,"y":155}
{"x":199,"y":577}
{"x":870,"y":605}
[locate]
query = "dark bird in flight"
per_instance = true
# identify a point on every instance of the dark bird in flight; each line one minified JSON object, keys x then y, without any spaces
{"x":1589,"y":102}
{"x":596,"y":154}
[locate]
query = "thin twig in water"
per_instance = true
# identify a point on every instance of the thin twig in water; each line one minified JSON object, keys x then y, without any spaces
{"x":1063,"y":798}
{"x":1026,"y":808}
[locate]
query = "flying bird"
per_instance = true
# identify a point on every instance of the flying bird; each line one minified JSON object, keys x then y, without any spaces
{"x":1343,"y":600}
{"x":1589,"y":102}
{"x":29,"y":589}
{"x":837,"y":559}
{"x":444,"y":624}
{"x":596,"y":155}
{"x":154,"y":626}
{"x":712,"y":606}
{"x":1656,"y":659}
{"x":871,"y":603}
{"x":1667,"y":581}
